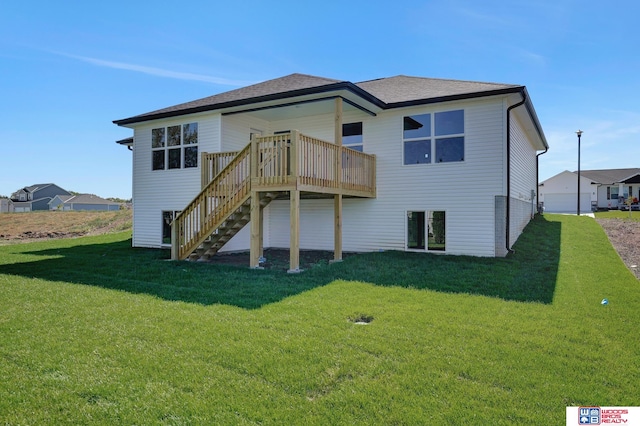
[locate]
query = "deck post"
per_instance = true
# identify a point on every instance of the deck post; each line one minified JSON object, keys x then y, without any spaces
{"x":204,"y":170}
{"x":261,"y":233}
{"x":294,"y":243}
{"x":337,"y":228}
{"x":337,"y":200}
{"x":294,"y":206}
{"x":255,"y":219}
{"x":174,"y":240}
{"x":256,"y":225}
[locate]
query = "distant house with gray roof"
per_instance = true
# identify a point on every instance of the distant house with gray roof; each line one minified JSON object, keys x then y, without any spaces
{"x":36,"y":197}
{"x":423,"y":164}
{"x":82,"y":202}
{"x":602,"y":189}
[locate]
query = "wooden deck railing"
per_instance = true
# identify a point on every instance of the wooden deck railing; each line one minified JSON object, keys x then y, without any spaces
{"x":358,"y":171}
{"x":283,"y":162}
{"x":217,"y":200}
{"x":213,"y":163}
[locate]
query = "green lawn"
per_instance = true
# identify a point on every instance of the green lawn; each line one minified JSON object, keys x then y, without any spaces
{"x":619,"y":214}
{"x":94,"y":332}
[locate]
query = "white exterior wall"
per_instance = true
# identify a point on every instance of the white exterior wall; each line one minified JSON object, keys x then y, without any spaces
{"x":613,"y":204}
{"x":236,"y":130}
{"x":6,"y":206}
{"x":464,"y":190}
{"x":523,"y":180}
{"x":155,"y":191}
{"x":558,"y":193}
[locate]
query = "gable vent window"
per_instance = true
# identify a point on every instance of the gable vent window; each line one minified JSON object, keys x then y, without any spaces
{"x":434,"y":138}
{"x":174,"y":147}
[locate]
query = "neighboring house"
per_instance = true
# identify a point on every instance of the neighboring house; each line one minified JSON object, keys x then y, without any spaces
{"x":36,"y":197}
{"x":6,"y":205}
{"x":602,"y":189}
{"x":400,"y":163}
{"x":81,"y":202}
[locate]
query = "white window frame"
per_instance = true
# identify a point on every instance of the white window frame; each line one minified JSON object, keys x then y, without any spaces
{"x":162,"y":212}
{"x":426,"y":228}
{"x":433,"y":138}
{"x":182,"y":146}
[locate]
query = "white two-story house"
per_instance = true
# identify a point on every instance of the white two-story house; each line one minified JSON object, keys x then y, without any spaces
{"x":304,"y":162}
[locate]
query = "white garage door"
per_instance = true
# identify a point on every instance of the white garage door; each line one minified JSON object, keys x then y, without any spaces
{"x":566,"y":203}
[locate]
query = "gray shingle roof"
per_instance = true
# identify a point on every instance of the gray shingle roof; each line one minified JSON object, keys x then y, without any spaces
{"x":88,"y":199}
{"x":285,"y":86}
{"x":389,"y":92}
{"x":402,"y":89}
{"x":609,"y":176}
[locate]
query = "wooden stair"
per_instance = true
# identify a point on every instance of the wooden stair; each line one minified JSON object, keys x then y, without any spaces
{"x":268,"y":167}
{"x":229,"y":228}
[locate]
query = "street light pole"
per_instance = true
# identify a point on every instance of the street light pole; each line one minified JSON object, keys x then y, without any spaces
{"x":579,"y":133}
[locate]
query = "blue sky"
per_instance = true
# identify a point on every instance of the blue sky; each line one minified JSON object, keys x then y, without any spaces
{"x":67,"y":69}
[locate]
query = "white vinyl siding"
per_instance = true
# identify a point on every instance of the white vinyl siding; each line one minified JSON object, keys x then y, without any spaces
{"x":156,"y":191}
{"x":236,"y":130}
{"x":523,"y":180}
{"x":465,"y":190}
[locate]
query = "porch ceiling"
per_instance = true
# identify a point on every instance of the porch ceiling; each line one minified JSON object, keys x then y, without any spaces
{"x":311,"y":108}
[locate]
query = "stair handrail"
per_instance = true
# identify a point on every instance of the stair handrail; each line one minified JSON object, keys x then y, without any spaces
{"x":206,"y":212}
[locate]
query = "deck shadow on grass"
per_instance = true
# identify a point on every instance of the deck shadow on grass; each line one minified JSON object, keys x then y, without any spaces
{"x":528,"y":275}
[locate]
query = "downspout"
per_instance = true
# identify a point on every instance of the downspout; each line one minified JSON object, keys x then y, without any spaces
{"x":538,"y":178}
{"x":508,"y":216}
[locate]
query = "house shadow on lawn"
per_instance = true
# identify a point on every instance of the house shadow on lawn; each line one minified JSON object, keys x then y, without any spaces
{"x":527,"y":275}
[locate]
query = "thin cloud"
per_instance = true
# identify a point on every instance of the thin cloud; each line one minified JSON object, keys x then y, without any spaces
{"x":158,"y":72}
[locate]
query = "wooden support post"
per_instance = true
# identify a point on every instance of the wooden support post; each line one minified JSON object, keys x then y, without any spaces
{"x":338,"y":122}
{"x":204,"y":170}
{"x":337,"y":203}
{"x":175,"y":244}
{"x":254,"y":245}
{"x":261,"y":237}
{"x":294,"y":244}
{"x":293,"y":155}
{"x":337,"y":228}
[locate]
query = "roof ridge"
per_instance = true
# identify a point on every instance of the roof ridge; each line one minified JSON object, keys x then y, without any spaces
{"x":440,"y":79}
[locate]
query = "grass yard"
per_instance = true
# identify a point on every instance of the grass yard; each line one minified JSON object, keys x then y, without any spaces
{"x":95,"y":332}
{"x":619,"y":214}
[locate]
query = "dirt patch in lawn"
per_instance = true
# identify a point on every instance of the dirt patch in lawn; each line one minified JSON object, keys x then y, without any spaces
{"x":625,"y":238}
{"x":39,"y":225}
{"x":278,"y":259}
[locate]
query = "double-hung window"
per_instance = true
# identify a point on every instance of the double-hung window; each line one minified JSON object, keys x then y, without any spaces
{"x":174,"y":147}
{"x":434,"y":138}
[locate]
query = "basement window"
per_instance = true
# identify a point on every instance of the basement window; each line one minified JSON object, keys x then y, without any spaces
{"x":415,"y":230}
{"x":426,"y":230}
{"x":437,"y":231}
{"x":167,"y":219}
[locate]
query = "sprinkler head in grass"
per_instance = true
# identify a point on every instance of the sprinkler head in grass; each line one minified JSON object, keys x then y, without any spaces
{"x":604,"y":302}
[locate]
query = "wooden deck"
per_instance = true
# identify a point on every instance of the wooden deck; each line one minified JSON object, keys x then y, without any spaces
{"x":238,"y":185}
